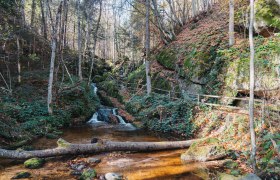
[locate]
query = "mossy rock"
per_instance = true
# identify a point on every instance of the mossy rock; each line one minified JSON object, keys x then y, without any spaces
{"x":34,"y":163}
{"x":21,"y":175}
{"x":62,"y":143}
{"x":224,"y":176}
{"x":167,"y":58}
{"x":235,"y":172}
{"x":204,"y":150}
{"x":268,"y":11}
{"x":88,"y":174}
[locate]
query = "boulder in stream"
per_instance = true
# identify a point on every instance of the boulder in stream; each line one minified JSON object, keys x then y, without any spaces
{"x":113,"y":176}
{"x":93,"y":160}
{"x":205,"y":150}
{"x":22,"y":175}
{"x":34,"y":163}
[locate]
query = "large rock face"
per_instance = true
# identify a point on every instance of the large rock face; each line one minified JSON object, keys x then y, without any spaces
{"x":267,"y":68}
{"x":267,"y":16}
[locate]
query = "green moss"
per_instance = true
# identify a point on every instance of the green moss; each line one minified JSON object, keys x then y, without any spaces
{"x":111,"y":88}
{"x":88,"y":174}
{"x":34,"y":163}
{"x":269,"y":11}
{"x":62,"y":143}
{"x":139,"y":75}
{"x":160,"y":83}
{"x":167,"y":58}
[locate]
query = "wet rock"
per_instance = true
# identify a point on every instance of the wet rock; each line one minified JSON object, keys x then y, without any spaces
{"x":103,"y":115}
{"x":94,"y":140}
{"x":34,"y":163}
{"x":76,"y":173}
{"x":93,"y":160}
{"x":224,"y":176}
{"x":250,"y":177}
{"x":22,"y":175}
{"x":113,"y":176}
{"x":205,"y":150}
{"x":80,"y":167}
{"x":88,"y":174}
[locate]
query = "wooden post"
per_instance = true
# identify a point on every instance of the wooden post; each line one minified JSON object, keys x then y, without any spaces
{"x":263,"y":116}
{"x":169,"y":93}
{"x":198,"y":98}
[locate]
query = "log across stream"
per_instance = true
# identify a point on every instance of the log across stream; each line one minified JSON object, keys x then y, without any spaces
{"x":137,"y":165}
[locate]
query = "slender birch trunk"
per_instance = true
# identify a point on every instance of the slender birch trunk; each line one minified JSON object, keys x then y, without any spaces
{"x":147,"y":48}
{"x":252,"y":86}
{"x":231,"y":22}
{"x":53,"y":54}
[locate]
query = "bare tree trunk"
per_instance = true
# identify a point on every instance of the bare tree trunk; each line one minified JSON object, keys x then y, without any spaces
{"x":94,"y":43}
{"x":231,"y":23}
{"x":79,"y":41}
{"x":44,"y":25}
{"x":252,"y":86}
{"x":22,"y":9}
{"x":53,"y":54}
{"x":194,"y":8}
{"x":172,"y":9}
{"x":165,"y":36}
{"x":66,"y":148}
{"x":147,"y":48}
{"x":18,"y":61}
{"x":33,"y":11}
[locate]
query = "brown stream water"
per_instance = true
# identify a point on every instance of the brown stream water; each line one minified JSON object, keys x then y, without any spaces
{"x":133,"y":166}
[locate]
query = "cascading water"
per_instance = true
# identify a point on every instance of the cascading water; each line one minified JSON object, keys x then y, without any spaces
{"x":103,"y":115}
{"x":121,"y":120}
{"x":94,"y":119}
{"x":93,"y":85}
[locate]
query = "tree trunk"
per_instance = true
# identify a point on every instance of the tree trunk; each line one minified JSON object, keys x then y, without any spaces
{"x":53,"y":47}
{"x":44,"y":25}
{"x":22,"y":12}
{"x":252,"y":86}
{"x":95,"y":40}
{"x":18,"y":61}
{"x":147,"y":48}
{"x":79,"y":41}
{"x":33,"y":11}
{"x":231,"y":23}
{"x":65,"y":148}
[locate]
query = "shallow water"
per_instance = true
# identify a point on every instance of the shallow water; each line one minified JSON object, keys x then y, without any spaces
{"x":152,"y":165}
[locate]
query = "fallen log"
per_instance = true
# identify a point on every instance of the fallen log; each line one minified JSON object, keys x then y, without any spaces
{"x":66,"y":148}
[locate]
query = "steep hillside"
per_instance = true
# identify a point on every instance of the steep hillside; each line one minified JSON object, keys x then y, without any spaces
{"x":199,"y":61}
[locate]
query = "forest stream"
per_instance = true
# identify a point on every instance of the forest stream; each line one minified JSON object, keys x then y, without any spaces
{"x":155,"y":165}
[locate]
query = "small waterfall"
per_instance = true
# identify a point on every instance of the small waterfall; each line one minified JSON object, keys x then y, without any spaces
{"x":93,"y":85}
{"x":103,"y":115}
{"x":94,"y":119}
{"x":121,"y":120}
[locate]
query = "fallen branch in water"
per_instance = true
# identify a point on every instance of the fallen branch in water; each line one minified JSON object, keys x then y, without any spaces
{"x":66,"y":148}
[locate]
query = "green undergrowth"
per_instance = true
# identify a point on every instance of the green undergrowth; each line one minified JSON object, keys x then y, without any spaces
{"x":25,"y":117}
{"x":267,"y":51}
{"x":112,"y":88}
{"x":160,"y":114}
